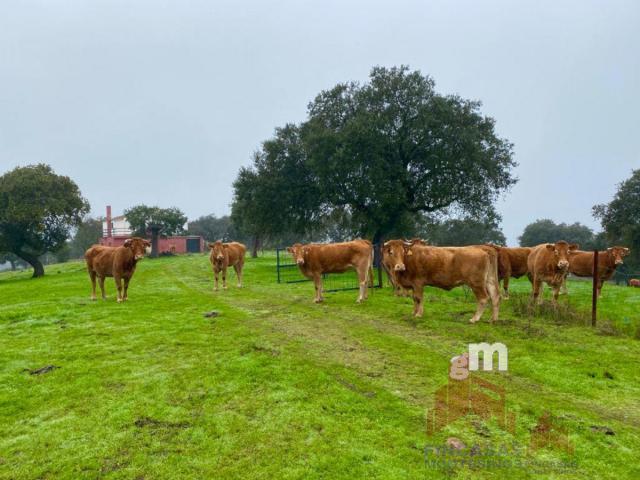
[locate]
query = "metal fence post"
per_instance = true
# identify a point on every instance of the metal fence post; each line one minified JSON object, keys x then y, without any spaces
{"x":278,"y":263}
{"x":594,"y":298}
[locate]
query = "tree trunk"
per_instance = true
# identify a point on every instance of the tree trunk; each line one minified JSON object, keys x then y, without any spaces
{"x":256,"y":246}
{"x":13,"y":265}
{"x":155,"y":232}
{"x":34,"y":261}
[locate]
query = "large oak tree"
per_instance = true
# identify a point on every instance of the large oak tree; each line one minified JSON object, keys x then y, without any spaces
{"x":620,"y":218}
{"x":393,"y":148}
{"x":38,"y":210}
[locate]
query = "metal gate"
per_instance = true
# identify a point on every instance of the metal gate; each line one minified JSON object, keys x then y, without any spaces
{"x":288,"y":272}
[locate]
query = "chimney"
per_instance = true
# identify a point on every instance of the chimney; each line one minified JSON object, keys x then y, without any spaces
{"x":108,"y":220}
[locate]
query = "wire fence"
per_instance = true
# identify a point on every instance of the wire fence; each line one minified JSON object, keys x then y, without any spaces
{"x":287,"y":271}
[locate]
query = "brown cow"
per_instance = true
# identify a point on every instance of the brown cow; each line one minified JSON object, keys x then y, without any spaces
{"x":117,"y":262}
{"x":224,"y":255}
{"x":512,"y":262}
{"x":398,"y":291}
{"x":417,"y":266}
{"x":581,"y":264}
{"x":549,"y":262}
{"x":634,"y":282}
{"x":315,"y":259}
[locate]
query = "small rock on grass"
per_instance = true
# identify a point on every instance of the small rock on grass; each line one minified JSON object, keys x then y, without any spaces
{"x":455,"y":443}
{"x":211,"y":314}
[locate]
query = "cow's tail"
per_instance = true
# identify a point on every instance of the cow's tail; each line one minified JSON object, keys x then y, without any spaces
{"x":370,"y":269}
{"x":492,"y":282}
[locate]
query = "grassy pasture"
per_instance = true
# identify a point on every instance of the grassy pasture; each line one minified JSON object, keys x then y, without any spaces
{"x":277,"y":387}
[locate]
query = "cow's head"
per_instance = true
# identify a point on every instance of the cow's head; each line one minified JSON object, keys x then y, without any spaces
{"x":218,"y":249}
{"x":394,"y":253}
{"x":561,"y":252}
{"x":139,"y":246}
{"x":298,"y":252}
{"x":617,"y":253}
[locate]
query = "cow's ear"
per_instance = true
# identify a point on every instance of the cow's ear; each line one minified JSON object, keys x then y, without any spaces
{"x":625,"y":252}
{"x":225,"y":246}
{"x":147,"y":243}
{"x":550,"y":246}
{"x":289,"y":249}
{"x":574,"y":246}
{"x":211,"y":245}
{"x":127,"y":242}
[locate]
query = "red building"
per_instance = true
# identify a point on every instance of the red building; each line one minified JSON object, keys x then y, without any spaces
{"x":115,"y":230}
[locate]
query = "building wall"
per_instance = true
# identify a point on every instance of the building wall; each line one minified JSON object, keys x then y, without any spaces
{"x":165,"y":245}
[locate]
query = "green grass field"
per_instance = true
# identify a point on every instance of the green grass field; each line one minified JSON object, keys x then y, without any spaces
{"x":277,"y":387}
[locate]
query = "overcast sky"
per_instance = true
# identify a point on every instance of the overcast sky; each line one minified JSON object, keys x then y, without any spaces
{"x":161,"y":102}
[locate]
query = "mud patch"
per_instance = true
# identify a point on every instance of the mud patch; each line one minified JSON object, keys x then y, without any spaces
{"x":153,"y":423}
{"x":41,"y":371}
{"x":354,"y":388}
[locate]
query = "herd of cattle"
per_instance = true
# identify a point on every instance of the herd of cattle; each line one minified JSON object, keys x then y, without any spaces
{"x":410,"y":264}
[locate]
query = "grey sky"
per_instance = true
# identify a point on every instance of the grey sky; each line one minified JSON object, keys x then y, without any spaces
{"x":161,"y":102}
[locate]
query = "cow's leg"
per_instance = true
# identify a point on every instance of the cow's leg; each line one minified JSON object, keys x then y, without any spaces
{"x":118,"y":286}
{"x":224,"y":277}
{"x":418,"y":301}
{"x":92,"y":275}
{"x":126,"y":288}
{"x":317,"y":282}
{"x":537,"y":290}
{"x":482,"y":296}
{"x":563,"y":287}
{"x":101,"y":282}
{"x":600,"y":283}
{"x":238,"y":268}
{"x":556,"y":292}
{"x":493,"y":289}
{"x":215,"y":279}
{"x":505,"y":283}
{"x":362,"y":281}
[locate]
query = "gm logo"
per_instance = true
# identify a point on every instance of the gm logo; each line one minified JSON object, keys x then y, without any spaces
{"x":462,"y":364}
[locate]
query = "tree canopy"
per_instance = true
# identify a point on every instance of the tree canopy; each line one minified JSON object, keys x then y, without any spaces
{"x":380,"y":154}
{"x":620,"y":218}
{"x":212,"y":228}
{"x":463,"y":231}
{"x":168,"y":221}
{"x":88,"y":233}
{"x":38,"y":210}
{"x":547,"y":231}
{"x":278,"y":193}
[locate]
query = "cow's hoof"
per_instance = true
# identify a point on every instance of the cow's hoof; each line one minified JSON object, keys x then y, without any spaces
{"x":225,"y":287}
{"x":473,"y":321}
{"x":239,"y":286}
{"x":119,"y":301}
{"x":93,"y":299}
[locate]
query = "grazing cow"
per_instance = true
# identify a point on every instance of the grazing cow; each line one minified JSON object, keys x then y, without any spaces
{"x":315,"y":259}
{"x":224,"y":255}
{"x":549,"y":262}
{"x":117,"y":262}
{"x":634,"y":282}
{"x":512,"y":262}
{"x":581,"y":264}
{"x":417,"y":266}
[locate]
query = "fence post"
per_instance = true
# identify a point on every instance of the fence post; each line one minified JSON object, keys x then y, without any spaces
{"x":278,"y":263}
{"x":594,"y":298}
{"x":379,"y":248}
